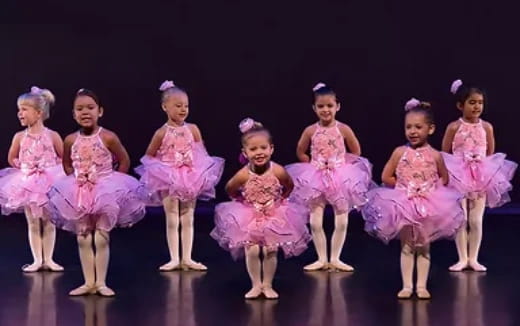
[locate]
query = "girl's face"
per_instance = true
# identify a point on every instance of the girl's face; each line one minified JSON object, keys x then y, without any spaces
{"x":86,"y":111}
{"x":28,"y":114}
{"x":326,"y":107}
{"x":417,"y":129}
{"x":258,"y":149}
{"x":472,"y":108}
{"x":176,"y":106}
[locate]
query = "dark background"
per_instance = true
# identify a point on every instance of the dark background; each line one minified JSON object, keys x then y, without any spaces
{"x":261,"y":59}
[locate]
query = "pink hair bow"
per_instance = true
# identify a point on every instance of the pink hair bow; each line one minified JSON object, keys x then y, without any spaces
{"x":36,"y":90}
{"x":318,"y":86}
{"x":246,"y":125}
{"x":412,"y":103}
{"x":455,"y":86}
{"x":166,"y":85}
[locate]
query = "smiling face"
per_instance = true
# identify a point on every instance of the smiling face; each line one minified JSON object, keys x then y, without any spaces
{"x":325,"y":107}
{"x":176,"y":106}
{"x":257,"y":148}
{"x":472,"y":107}
{"x":86,"y":111}
{"x":28,"y":114}
{"x":417,"y":129}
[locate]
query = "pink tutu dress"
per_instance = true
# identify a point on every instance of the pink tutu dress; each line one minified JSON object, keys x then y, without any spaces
{"x":182,"y":169}
{"x":27,"y":186}
{"x":95,"y":197}
{"x":419,"y":201}
{"x":475,"y":174}
{"x":333,"y":175}
{"x":261,"y":217}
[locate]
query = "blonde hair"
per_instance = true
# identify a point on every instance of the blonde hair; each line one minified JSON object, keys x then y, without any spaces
{"x":41,"y":99}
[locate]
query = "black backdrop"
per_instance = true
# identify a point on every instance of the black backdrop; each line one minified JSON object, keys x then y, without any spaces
{"x":261,"y":59}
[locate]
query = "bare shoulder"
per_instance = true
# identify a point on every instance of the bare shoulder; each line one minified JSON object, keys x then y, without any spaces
{"x":344,"y":127}
{"x":108,"y":135}
{"x":398,"y":151}
{"x":487,"y":125}
{"x":453,"y":126}
{"x":18,"y":135}
{"x":309,"y":130}
{"x":70,"y":138}
{"x":278,"y":169}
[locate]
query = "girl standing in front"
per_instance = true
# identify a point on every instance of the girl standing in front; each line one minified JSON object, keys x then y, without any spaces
{"x":176,"y":171}
{"x":415,"y":205}
{"x":476,"y":170}
{"x":260,"y":220}
{"x":35,"y":157}
{"x":93,"y":198}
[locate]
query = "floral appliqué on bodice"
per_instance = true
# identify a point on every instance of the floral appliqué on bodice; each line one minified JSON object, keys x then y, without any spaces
{"x":327,"y":147}
{"x":90,"y":158}
{"x":262,"y":191}
{"x":417,"y":171}
{"x":37,"y":152}
{"x":470,"y":141}
{"x":176,"y":146}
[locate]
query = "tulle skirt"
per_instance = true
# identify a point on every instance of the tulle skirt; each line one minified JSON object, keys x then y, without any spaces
{"x":113,"y":200}
{"x":19,"y":190}
{"x":238,"y":226}
{"x":490,"y":177}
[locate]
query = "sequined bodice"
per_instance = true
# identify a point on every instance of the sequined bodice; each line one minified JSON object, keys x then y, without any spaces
{"x":417,"y":171}
{"x":470,"y":141}
{"x":262,"y":191}
{"x":328,"y":147}
{"x":176,"y":146}
{"x":37,"y":151}
{"x":90,"y":157}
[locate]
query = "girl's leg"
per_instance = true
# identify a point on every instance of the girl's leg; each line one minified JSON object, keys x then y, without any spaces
{"x":461,"y":240}
{"x":318,"y":237}
{"x":407,"y":264}
{"x":102,"y":241}
{"x":254,"y":268}
{"x":86,"y":256}
{"x":476,"y":215}
{"x":269,"y":269}
{"x":187,"y":211}
{"x":35,"y":242}
{"x":49,"y":239}
{"x":337,"y":242}
{"x":423,"y":269}
{"x":171,"y":210}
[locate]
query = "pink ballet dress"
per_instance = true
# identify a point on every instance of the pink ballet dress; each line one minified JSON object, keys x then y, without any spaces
{"x":333,"y":175}
{"x":475,"y":174}
{"x":27,"y":186}
{"x":95,"y":197}
{"x":261,"y":217}
{"x":419,"y":200}
{"x":182,"y":169}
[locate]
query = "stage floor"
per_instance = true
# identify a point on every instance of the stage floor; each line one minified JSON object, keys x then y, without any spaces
{"x":366,"y":297}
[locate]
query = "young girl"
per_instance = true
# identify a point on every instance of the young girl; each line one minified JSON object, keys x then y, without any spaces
{"x":93,"y":198}
{"x":176,"y":171}
{"x":484,"y":177}
{"x":330,"y":175}
{"x":416,"y":206}
{"x":35,"y":156}
{"x":260,"y":220}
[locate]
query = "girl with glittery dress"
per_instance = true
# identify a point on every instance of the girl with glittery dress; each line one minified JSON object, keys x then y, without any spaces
{"x":329,"y":175}
{"x":260,"y":219}
{"x":35,"y":157}
{"x":415,"y":205}
{"x":476,"y":170}
{"x":93,"y":198}
{"x":176,"y":171}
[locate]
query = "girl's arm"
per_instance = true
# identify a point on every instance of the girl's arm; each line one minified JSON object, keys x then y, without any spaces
{"x":114,"y":145}
{"x":303,"y":145}
{"x":350,"y":139}
{"x":66,"y":159}
{"x":236,"y":182}
{"x":447,"y":140}
{"x":197,"y":136}
{"x":57,"y":143}
{"x":441,"y":167}
{"x":388,"y":175}
{"x":285,"y":180}
{"x":490,"y":137}
{"x":156,"y":141}
{"x":14,"y":150}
